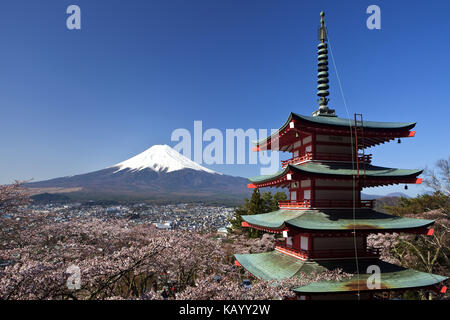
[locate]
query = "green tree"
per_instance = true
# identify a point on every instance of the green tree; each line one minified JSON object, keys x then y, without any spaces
{"x":279,"y":196}
{"x":236,"y":220}
{"x":256,"y":205}
{"x":420,"y":204}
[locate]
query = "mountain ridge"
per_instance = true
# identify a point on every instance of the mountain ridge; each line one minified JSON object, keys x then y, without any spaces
{"x":159,"y":172}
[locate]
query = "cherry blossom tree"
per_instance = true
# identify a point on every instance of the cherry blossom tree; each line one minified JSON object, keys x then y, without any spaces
{"x":121,"y":259}
{"x":13,"y":197}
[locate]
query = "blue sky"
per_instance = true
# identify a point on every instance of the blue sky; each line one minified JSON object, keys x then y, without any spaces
{"x":74,"y":101}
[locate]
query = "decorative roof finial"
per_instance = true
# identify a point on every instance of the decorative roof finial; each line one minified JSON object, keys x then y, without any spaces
{"x":322,"y":31}
{"x":322,"y":81}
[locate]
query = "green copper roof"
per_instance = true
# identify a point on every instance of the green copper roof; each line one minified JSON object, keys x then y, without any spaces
{"x":334,"y":219}
{"x":392,"y":277}
{"x":404,"y":279}
{"x":270,"y":265}
{"x":274,"y":265}
{"x":268,"y":177}
{"x":335,"y":121}
{"x":343,"y":124}
{"x":338,"y":169}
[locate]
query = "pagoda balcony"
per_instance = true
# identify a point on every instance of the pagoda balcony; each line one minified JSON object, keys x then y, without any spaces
{"x":328,"y":253}
{"x":304,"y":204}
{"x":367,"y":158}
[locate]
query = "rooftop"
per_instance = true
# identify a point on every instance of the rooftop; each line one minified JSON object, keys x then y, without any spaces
{"x":338,"y":169}
{"x":274,"y":265}
{"x":335,"y":220}
{"x":375,"y":132}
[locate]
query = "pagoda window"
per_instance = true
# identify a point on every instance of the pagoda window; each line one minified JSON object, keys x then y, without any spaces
{"x":307,"y":194}
{"x":308,"y":149}
{"x":297,"y":145}
{"x":295,"y":153}
{"x":293,"y":195}
{"x":304,"y":242}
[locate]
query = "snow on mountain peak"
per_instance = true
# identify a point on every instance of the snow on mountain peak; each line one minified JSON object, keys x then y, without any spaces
{"x":160,"y":158}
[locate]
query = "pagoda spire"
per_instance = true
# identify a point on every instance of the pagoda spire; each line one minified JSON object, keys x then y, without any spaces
{"x":322,"y":75}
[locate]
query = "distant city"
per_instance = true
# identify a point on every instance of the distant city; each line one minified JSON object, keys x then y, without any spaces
{"x":184,"y":216}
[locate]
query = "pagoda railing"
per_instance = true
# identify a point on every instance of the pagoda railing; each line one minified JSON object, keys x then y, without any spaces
{"x":326,"y":157}
{"x":296,"y":160}
{"x":294,"y":204}
{"x":327,"y":253}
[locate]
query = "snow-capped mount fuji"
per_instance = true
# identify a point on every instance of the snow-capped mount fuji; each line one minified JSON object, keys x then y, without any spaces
{"x":160,"y":173}
{"x":160,"y":158}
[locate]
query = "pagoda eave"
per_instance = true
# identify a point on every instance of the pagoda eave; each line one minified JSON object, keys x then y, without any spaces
{"x":283,"y":182}
{"x":275,"y":265}
{"x":337,"y":232}
{"x":370,"y":176}
{"x":335,"y":221}
{"x":263,"y":228}
{"x":297,"y":124}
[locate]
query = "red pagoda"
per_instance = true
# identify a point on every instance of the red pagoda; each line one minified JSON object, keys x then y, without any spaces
{"x":325,"y":223}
